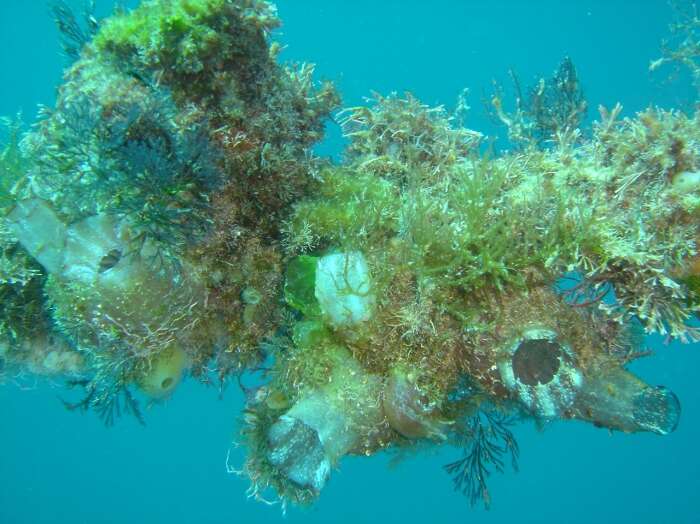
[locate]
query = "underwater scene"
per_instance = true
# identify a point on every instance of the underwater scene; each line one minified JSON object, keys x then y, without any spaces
{"x":371,"y":261}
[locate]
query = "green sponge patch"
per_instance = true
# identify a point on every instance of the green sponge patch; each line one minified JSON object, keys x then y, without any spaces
{"x":299,"y":285}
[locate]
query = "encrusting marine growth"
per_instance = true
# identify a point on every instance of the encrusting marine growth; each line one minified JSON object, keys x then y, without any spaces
{"x":169,"y":217}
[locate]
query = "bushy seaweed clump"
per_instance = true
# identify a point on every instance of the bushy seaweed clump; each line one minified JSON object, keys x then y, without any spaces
{"x":550,"y":111}
{"x":418,"y":265}
{"x":626,"y":197}
{"x":464,"y":251}
{"x":27,"y":338}
{"x":681,"y":49}
{"x":76,"y":31}
{"x":645,"y":243}
{"x":177,"y":130}
{"x":431,"y":220}
{"x":127,"y":152}
{"x":263,"y":117}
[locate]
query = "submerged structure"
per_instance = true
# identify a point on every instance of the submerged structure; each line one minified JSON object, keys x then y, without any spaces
{"x":169,"y":217}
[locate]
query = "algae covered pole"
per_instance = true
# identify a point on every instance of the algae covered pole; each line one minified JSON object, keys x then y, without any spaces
{"x":169,"y":218}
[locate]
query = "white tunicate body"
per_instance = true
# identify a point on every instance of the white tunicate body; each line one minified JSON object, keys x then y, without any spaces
{"x":88,"y":242}
{"x":686,"y":182}
{"x":40,"y":232}
{"x":91,"y":251}
{"x":343,"y":288}
{"x":325,"y":424}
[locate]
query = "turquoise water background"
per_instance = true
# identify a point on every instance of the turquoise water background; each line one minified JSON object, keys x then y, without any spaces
{"x":62,"y":467}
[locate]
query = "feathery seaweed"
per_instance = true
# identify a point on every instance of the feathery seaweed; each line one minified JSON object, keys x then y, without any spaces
{"x":73,"y":35}
{"x":489,"y":443}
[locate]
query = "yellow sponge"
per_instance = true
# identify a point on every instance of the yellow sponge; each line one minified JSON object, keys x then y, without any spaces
{"x":165,"y":373}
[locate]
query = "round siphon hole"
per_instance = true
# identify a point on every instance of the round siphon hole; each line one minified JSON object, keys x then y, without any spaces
{"x":167,"y":382}
{"x":536,"y":361}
